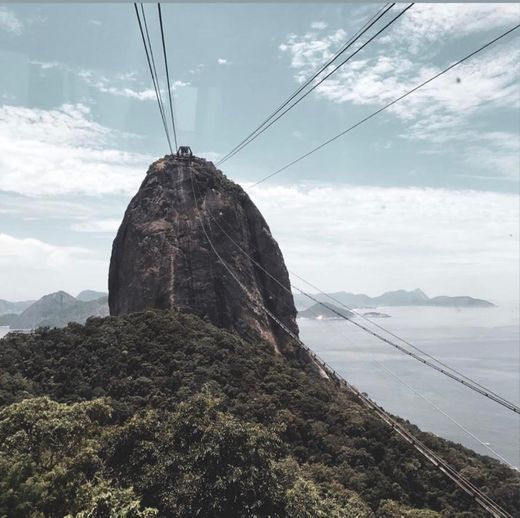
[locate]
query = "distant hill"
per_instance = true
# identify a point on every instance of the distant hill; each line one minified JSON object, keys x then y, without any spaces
{"x":394,"y":298}
{"x":56,"y":310}
{"x":7,"y":306}
{"x":319,"y":312}
{"x":88,"y":295}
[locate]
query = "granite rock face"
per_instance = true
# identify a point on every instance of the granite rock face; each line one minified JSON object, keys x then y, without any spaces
{"x":165,"y":253}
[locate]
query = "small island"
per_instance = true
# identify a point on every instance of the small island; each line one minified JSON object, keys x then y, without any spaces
{"x":325,"y":311}
{"x":375,"y":314}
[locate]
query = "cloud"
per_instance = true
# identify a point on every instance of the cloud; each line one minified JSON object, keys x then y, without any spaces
{"x":445,"y":108}
{"x":496,"y":152}
{"x":222,"y":61}
{"x":105,"y":226}
{"x":426,"y":24}
{"x":106,"y":85}
{"x":45,"y":65}
{"x":49,"y":152}
{"x":378,"y":79}
{"x":212,"y":156}
{"x":21,"y":207}
{"x":116,"y":84}
{"x":319,"y":26}
{"x":37,"y":254}
{"x":372,"y":239}
{"x":9,"y":22}
{"x":147,"y":94}
{"x":45,"y":268}
{"x":180,"y":84}
{"x":308,"y":52}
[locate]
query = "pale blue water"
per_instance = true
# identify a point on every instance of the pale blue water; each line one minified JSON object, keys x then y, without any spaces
{"x":482,"y":343}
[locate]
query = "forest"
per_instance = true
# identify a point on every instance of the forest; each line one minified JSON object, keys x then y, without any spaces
{"x":162,"y":414}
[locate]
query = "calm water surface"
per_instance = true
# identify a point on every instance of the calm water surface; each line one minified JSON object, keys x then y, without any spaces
{"x":482,"y":343}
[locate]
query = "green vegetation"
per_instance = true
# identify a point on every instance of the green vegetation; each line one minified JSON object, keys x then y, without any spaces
{"x":161,"y":413}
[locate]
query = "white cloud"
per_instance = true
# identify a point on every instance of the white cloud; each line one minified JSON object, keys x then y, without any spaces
{"x":180,"y":84}
{"x":10,"y":22}
{"x":45,"y":152}
{"x":46,"y":268}
{"x":498,"y":152}
{"x":319,"y":26}
{"x":445,"y":106}
{"x":127,"y":76}
{"x":22,"y":207}
{"x":37,"y":254}
{"x":222,"y":61}
{"x":212,"y":156}
{"x":372,"y":239}
{"x":378,"y":79}
{"x":106,"y":85}
{"x":307,"y":52}
{"x":45,"y":65}
{"x":114,"y":85}
{"x":427,"y":24}
{"x":105,"y":226}
{"x":147,"y":94}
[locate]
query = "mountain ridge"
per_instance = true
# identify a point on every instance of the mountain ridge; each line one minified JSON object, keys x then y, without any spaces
{"x":415,"y":297}
{"x":56,"y":310}
{"x":7,"y":306}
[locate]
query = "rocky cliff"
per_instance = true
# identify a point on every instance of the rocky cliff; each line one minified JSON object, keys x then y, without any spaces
{"x":163,"y":255}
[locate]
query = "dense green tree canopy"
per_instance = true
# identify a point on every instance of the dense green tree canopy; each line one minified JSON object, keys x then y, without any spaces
{"x":192,"y":417}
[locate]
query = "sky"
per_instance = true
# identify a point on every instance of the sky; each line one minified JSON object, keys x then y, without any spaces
{"x":425,"y":195}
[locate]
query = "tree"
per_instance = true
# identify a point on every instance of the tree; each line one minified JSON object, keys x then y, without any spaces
{"x":199,"y":461}
{"x":50,"y":462}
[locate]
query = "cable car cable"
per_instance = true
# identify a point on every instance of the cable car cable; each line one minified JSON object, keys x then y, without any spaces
{"x":443,"y":369}
{"x":421,"y":351}
{"x":381,"y":12}
{"x":424,"y":83}
{"x":324,"y":78}
{"x":483,"y":500}
{"x":155,"y":86}
{"x":453,"y":420}
{"x":167,"y":76}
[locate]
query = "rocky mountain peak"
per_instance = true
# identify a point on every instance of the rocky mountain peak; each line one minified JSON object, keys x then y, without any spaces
{"x":162,"y":257}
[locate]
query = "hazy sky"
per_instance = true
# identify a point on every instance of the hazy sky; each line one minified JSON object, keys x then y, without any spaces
{"x":424,"y":195}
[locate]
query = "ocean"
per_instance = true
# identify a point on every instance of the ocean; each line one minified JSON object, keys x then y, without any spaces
{"x":482,"y":343}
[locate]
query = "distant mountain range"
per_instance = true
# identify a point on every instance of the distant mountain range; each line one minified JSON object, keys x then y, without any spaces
{"x":393,"y":298}
{"x":57,"y":310}
{"x":60,"y":308}
{"x":88,"y":295}
{"x":7,"y":306}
